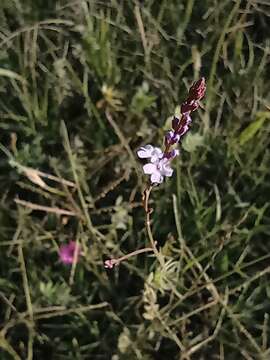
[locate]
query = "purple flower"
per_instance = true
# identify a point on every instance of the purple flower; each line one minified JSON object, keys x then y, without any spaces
{"x":69,"y":252}
{"x":148,"y":151}
{"x":158,"y":170}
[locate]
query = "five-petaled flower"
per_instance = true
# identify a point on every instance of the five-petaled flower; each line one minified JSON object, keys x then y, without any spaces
{"x":158,"y":170}
{"x":69,"y":253}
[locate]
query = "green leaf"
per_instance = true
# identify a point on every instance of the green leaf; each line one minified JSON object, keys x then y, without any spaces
{"x":192,"y":141}
{"x":250,"y":131}
{"x":142,"y":99}
{"x":12,"y":75}
{"x":224,"y":263}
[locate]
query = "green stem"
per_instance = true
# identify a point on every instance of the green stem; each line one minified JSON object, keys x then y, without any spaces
{"x":148,"y":212}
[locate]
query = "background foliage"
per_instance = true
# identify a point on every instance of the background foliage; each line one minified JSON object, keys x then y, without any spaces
{"x":62,"y":63}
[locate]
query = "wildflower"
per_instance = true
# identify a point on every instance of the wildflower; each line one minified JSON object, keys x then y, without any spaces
{"x":158,"y":170}
{"x":148,"y":151}
{"x":69,"y":252}
{"x":109,"y":264}
{"x":159,"y":165}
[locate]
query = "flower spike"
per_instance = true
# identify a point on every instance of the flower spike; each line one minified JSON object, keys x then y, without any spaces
{"x":159,"y":166}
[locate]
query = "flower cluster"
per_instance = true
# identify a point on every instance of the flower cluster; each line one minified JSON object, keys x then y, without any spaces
{"x":159,"y":165}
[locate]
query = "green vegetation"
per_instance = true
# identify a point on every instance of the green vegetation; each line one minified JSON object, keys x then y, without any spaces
{"x":67,"y":172}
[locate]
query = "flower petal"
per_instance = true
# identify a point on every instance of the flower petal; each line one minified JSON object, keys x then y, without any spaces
{"x":164,"y":167}
{"x":149,"y":168}
{"x":157,"y":154}
{"x":145,"y":151}
{"x":168,"y":172}
{"x":156,"y":177}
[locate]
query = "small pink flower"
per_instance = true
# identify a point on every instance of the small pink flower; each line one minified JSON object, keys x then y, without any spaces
{"x":109,"y":264}
{"x":69,"y":253}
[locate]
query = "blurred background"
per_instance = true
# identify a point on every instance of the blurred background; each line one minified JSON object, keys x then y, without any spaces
{"x":69,"y":173}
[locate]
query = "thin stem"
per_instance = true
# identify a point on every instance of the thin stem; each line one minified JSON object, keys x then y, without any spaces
{"x":134,"y":253}
{"x":25,"y":282}
{"x":148,"y":212}
{"x":112,"y":262}
{"x":38,"y":207}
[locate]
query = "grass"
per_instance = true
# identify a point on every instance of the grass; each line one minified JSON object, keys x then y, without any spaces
{"x":69,"y":172}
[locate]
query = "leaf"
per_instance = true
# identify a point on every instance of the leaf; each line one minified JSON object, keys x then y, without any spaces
{"x":238,"y":45}
{"x":142,"y":99}
{"x":250,"y":131}
{"x":224,"y":263}
{"x":12,"y":75}
{"x":33,"y":176}
{"x":192,"y":141}
{"x":124,"y":341}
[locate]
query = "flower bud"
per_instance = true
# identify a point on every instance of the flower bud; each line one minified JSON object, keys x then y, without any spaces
{"x":171,"y":138}
{"x":172,"y":154}
{"x":197,"y":90}
{"x":175,"y":122}
{"x":189,"y":106}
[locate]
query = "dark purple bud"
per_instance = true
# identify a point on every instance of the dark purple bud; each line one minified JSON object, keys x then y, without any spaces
{"x":189,"y":106}
{"x":175,"y":138}
{"x":183,"y":130}
{"x":168,"y":138}
{"x":197,"y":90}
{"x":175,"y":122}
{"x":184,"y":125}
{"x":188,"y":119}
{"x":172,"y":154}
{"x":171,"y":138}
